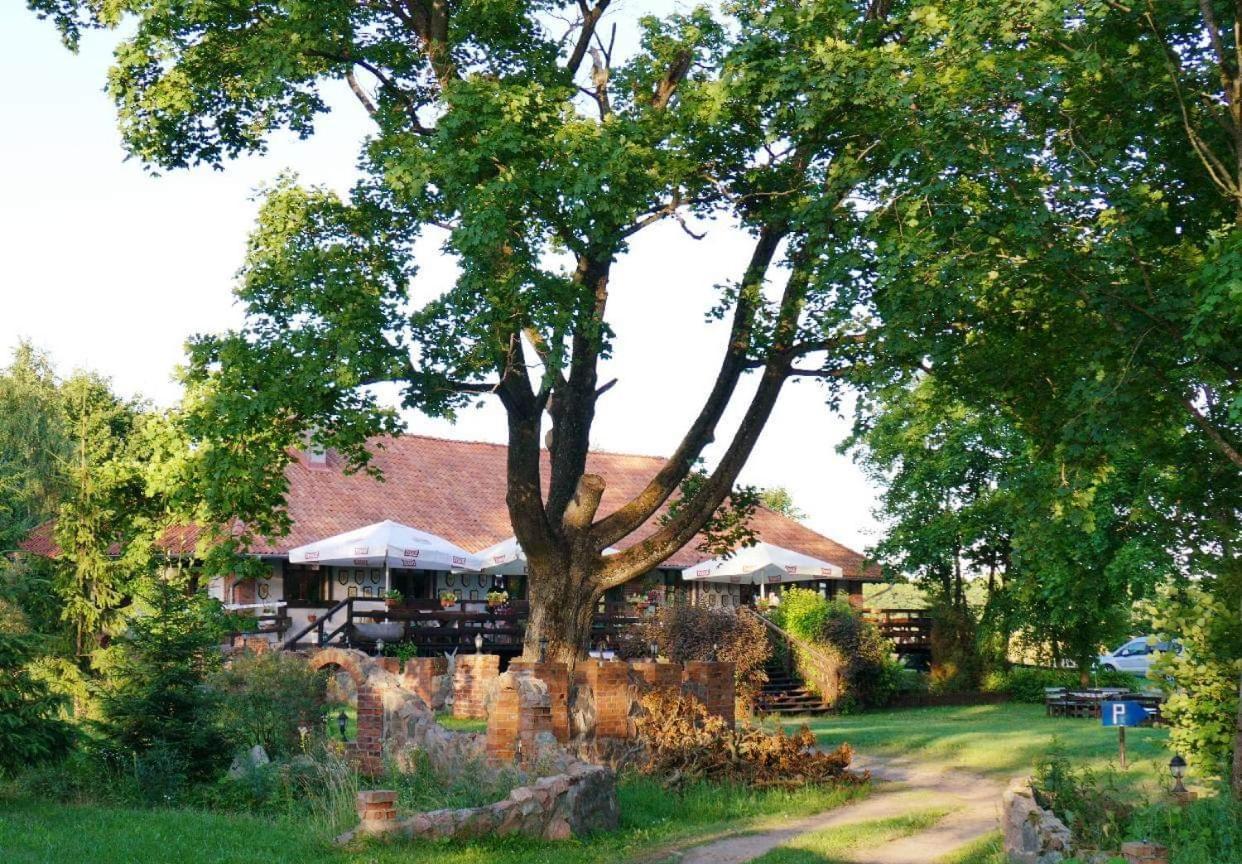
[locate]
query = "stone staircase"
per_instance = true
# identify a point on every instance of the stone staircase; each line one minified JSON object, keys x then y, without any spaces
{"x":787,"y":693}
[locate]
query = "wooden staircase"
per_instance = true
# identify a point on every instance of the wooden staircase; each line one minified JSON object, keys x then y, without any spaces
{"x":787,"y":693}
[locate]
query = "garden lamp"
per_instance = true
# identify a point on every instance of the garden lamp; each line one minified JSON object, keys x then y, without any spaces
{"x":341,"y":721}
{"x":478,"y":643}
{"x":1177,"y":767}
{"x":654,"y":648}
{"x":543,"y":649}
{"x":379,"y":647}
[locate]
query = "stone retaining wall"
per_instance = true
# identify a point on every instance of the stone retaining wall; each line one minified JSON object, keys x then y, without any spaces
{"x":1034,"y":835}
{"x":580,"y":801}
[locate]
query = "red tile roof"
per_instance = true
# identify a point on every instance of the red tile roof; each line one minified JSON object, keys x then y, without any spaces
{"x":457,"y":489}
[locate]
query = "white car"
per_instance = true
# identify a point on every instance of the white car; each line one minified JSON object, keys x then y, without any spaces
{"x":1136,"y":655}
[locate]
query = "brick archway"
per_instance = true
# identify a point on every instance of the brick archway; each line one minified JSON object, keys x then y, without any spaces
{"x":368,"y":748}
{"x":348,"y":660}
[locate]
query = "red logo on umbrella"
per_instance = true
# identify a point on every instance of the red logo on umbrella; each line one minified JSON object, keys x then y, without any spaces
{"x":312,"y":556}
{"x":362,"y":550}
{"x":411,"y":553}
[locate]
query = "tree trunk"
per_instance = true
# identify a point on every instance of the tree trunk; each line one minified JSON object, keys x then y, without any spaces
{"x":562,"y":607}
{"x":1237,"y":749}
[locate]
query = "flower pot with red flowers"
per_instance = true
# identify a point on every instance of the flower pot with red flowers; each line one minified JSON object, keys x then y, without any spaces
{"x":496,"y":599}
{"x":447,"y":599}
{"x":393,"y":598}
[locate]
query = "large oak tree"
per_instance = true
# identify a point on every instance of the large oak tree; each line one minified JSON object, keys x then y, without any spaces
{"x":538,"y":148}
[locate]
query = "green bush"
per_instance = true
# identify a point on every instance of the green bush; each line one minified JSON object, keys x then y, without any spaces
{"x":264,"y":699}
{"x":1094,"y":808}
{"x":802,"y":613}
{"x":31,"y":729}
{"x":1027,"y":683}
{"x":863,"y":663}
{"x":154,"y":699}
{"x":1205,"y":831}
{"x":1202,"y":706}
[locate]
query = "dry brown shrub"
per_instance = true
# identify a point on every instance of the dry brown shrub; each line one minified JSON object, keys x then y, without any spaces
{"x":684,"y":742}
{"x":691,"y":632}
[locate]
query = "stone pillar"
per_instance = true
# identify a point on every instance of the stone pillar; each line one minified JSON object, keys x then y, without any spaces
{"x":556,"y":677}
{"x":610,"y":685}
{"x":521,"y":712}
{"x":377,"y":811}
{"x":425,"y":676}
{"x":370,"y":741}
{"x":713,"y":685}
{"x":471,"y":678}
{"x":502,"y":723}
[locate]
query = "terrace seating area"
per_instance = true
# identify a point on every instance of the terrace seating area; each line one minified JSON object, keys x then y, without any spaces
{"x":1087,"y":702}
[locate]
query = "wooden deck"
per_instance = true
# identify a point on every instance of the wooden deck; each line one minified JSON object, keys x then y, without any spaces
{"x":908,"y":629}
{"x":433,"y":629}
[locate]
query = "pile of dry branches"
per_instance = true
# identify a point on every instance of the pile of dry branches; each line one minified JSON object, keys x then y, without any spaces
{"x":683,"y":742}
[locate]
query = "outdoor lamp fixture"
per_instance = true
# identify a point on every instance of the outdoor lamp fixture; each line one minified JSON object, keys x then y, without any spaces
{"x":379,"y":647}
{"x":478,"y":643}
{"x":654,"y":648}
{"x":1177,"y":767}
{"x":341,"y":721}
{"x":715,"y":651}
{"x":543,"y":648}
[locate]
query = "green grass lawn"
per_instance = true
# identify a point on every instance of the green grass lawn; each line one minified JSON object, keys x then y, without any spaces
{"x":998,"y":740}
{"x":461,"y":724}
{"x":652,"y":819}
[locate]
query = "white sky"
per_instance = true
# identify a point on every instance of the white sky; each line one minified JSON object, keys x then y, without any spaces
{"x":111,"y":269}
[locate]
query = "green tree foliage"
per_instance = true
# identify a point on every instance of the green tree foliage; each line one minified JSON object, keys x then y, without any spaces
{"x":31,"y":728}
{"x":1066,"y":551}
{"x":102,"y":527}
{"x":1203,"y":700}
{"x":267,"y":699}
{"x":155,"y":702}
{"x":778,"y":499}
{"x":33,"y":445}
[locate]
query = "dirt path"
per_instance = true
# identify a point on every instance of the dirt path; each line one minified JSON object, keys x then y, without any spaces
{"x":901,"y":788}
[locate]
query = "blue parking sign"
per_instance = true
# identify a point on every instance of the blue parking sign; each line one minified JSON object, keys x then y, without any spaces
{"x":1123,"y":713}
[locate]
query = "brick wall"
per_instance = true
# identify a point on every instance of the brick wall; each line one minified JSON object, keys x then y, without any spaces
{"x":421,"y":674}
{"x":610,"y":684}
{"x":556,"y":677}
{"x":658,"y":675}
{"x":712,"y":684}
{"x":473,"y":675}
{"x":520,"y":712}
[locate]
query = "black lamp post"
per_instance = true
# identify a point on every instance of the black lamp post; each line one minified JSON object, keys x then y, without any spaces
{"x":543,"y":649}
{"x":1177,"y":767}
{"x":654,"y":648}
{"x":341,"y":721}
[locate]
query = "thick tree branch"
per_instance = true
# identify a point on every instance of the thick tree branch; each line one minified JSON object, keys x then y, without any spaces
{"x":702,"y":431}
{"x":572,"y":407}
{"x":590,"y":18}
{"x":677,"y":71}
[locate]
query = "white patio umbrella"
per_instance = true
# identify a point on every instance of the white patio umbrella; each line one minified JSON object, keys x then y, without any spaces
{"x":389,"y":544}
{"x":506,"y":558}
{"x":762,"y":564}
